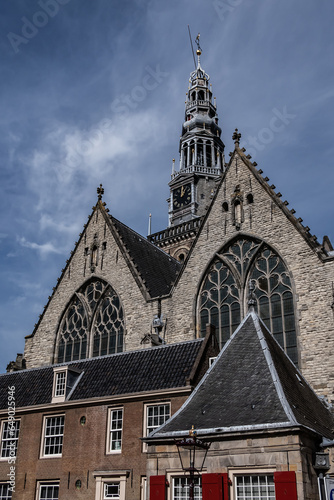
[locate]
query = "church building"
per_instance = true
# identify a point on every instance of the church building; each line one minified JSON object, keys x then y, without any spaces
{"x":221,"y":325}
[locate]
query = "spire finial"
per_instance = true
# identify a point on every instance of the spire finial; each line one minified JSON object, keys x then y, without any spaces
{"x":100,"y":192}
{"x":149,"y":224}
{"x":199,"y":50}
{"x":251,"y":296}
{"x":236,"y":137}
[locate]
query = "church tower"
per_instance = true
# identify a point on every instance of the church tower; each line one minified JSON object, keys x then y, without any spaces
{"x":201,"y":166}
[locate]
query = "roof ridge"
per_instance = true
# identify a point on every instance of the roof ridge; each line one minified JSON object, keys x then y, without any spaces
{"x":115,"y":354}
{"x":272,"y":369}
{"x":144,"y":239}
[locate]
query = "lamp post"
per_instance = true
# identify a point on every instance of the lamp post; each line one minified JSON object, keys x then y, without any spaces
{"x":192,"y":453}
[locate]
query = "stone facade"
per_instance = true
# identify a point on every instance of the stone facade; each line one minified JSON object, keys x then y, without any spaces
{"x":267,"y":218}
{"x":264,"y":454}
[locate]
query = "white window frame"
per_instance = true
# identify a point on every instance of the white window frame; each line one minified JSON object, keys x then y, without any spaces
{"x":102,"y":478}
{"x":234,"y":473}
{"x":44,"y":436}
{"x":212,"y":359}
{"x":196,"y":497}
{"x":143,"y":488}
{"x":12,"y":437}
{"x":59,"y":371}
{"x":7,"y":497}
{"x":145,"y":420}
{"x":112,"y":432}
{"x":47,"y":484}
{"x":171,"y":474}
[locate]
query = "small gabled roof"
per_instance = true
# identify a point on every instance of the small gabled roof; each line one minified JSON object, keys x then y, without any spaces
{"x":146,"y":370}
{"x":157,"y":269}
{"x":251,"y":386}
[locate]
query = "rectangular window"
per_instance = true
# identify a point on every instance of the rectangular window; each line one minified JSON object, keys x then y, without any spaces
{"x":181,"y":488}
{"x":143,"y":488}
{"x":111,"y":490}
{"x":156,"y":415}
{"x":116,"y":429}
{"x":9,"y":438}
{"x":212,"y":360}
{"x":48,"y":491}
{"x":5,"y":493}
{"x":110,"y":487}
{"x":53,"y":435}
{"x":60,"y":384}
{"x":255,"y":487}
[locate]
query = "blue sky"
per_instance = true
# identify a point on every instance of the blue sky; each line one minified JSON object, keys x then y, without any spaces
{"x":93,"y":92}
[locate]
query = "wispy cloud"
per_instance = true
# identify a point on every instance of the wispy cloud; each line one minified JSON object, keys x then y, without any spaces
{"x":44,"y":249}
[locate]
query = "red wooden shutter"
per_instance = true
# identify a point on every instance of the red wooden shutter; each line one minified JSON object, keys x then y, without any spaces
{"x":285,"y":485}
{"x":215,"y":487}
{"x":157,"y":488}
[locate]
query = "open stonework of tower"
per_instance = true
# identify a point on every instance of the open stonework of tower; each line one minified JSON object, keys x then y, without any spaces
{"x":201,"y":166}
{"x":221,"y":325}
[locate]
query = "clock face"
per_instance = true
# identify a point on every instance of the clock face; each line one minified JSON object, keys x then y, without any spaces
{"x":181,"y":196}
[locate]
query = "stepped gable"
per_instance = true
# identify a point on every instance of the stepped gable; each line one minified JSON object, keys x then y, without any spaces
{"x":264,"y":181}
{"x":251,"y":386}
{"x":323,"y":251}
{"x":145,"y":370}
{"x":157,"y":269}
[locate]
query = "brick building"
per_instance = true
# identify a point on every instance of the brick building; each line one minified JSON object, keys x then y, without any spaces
{"x":121,"y":292}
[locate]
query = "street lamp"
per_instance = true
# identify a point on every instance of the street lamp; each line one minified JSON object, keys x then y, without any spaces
{"x":192,"y":452}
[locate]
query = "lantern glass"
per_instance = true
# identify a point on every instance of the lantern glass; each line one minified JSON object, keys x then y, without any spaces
{"x":192,"y":453}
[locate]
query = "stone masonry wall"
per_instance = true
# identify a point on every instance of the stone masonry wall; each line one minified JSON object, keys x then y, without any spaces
{"x":312,"y":278}
{"x":39,"y":349}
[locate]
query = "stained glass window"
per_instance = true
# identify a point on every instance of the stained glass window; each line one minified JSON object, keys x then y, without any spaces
{"x":95,"y":312}
{"x":224,"y":293}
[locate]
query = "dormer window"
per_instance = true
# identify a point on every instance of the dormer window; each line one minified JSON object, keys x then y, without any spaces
{"x":64,"y":380}
{"x":60,"y":384}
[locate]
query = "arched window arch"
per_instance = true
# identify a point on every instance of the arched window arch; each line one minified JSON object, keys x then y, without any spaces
{"x":223,"y":295}
{"x":200,"y":152}
{"x":200,"y":95}
{"x":92,"y":324}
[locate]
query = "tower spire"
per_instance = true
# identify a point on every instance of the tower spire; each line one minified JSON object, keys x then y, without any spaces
{"x":201,"y":150}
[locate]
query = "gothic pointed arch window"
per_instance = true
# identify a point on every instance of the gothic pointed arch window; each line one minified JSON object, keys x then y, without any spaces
{"x":92,"y":324}
{"x":223,"y":295}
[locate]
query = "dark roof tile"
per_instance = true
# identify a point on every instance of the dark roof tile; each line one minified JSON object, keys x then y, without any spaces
{"x":252,"y":384}
{"x":156,"y":268}
{"x":151,"y":369}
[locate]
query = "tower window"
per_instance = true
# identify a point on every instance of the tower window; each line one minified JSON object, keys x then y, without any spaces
{"x":225,"y":206}
{"x":250,"y":198}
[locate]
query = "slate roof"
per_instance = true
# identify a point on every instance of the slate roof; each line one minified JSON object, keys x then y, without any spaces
{"x":252,"y":385}
{"x":150,"y":369}
{"x":158,"y":269}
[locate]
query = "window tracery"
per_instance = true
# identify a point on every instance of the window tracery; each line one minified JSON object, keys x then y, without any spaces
{"x":223,"y":296}
{"x":93,"y":323}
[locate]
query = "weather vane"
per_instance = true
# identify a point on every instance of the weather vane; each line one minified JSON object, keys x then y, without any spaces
{"x":199,"y":50}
